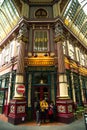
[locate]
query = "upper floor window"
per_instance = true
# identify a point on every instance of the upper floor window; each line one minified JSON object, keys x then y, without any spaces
{"x":71,"y":51}
{"x":41,"y":13}
{"x":6,"y":54}
{"x":14,"y":47}
{"x":41,"y":40}
{"x":82,"y":57}
{"x":77,"y":53}
{"x":64,"y":47}
{"x":86,"y":60}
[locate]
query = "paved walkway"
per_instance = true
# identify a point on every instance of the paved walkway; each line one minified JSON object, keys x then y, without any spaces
{"x":76,"y":125}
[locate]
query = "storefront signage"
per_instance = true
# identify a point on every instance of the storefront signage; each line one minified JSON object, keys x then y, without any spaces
{"x":21,"y":89}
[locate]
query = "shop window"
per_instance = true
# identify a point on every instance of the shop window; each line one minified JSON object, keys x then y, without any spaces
{"x":1,"y":101}
{"x":6,"y":82}
{"x":3,"y":83}
{"x":77,"y":89}
{"x":41,"y":13}
{"x":69,"y":81}
{"x":84,"y":84}
{"x":13,"y":83}
{"x":40,"y":40}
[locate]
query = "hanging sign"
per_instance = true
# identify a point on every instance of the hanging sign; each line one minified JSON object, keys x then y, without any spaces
{"x":21,"y":89}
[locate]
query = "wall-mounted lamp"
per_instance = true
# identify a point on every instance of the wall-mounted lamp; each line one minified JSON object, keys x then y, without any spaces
{"x":45,"y":54}
{"x":35,"y":55}
{"x":41,"y":81}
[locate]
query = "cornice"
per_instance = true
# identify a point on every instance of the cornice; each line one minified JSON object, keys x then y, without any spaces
{"x":40,"y":2}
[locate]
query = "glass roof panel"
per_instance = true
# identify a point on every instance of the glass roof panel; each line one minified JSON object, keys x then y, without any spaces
{"x":8,"y":17}
{"x":84,"y":2}
{"x":75,"y":17}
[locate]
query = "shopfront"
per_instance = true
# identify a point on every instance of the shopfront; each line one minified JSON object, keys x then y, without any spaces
{"x":41,"y":84}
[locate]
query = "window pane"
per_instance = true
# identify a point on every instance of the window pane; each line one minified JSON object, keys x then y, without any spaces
{"x":41,"y":13}
{"x":40,"y":40}
{"x":40,"y":78}
{"x":71,"y":51}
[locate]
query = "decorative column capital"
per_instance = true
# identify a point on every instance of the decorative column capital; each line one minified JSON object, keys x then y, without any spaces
{"x":59,"y":38}
{"x":59,"y":32}
{"x":23,"y":33}
{"x":22,"y":38}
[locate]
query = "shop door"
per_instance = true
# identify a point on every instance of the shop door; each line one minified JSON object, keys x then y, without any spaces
{"x":39,"y":93}
{"x":5,"y":110}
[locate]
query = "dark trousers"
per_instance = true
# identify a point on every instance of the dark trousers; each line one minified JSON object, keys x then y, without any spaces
{"x":51,"y":118}
{"x":43,"y":116}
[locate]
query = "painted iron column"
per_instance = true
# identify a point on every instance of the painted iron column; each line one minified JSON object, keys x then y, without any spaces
{"x":63,"y":102}
{"x":18,"y":103}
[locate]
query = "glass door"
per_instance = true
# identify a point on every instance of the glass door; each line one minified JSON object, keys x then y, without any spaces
{"x":5,"y":110}
{"x":41,"y":92}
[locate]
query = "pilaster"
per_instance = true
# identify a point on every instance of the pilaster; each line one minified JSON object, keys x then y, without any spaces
{"x":20,"y":69}
{"x":73,"y":90}
{"x":18,"y":103}
{"x":83,"y":99}
{"x":63,"y":102}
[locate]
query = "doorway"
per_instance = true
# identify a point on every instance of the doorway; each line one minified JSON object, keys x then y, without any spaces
{"x":40,"y":88}
{"x":5,"y":108}
{"x":39,"y":93}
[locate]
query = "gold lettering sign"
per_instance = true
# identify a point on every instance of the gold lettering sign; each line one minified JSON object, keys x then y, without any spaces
{"x":40,"y":61}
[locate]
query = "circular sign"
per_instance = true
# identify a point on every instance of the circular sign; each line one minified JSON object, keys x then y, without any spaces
{"x":20,"y":89}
